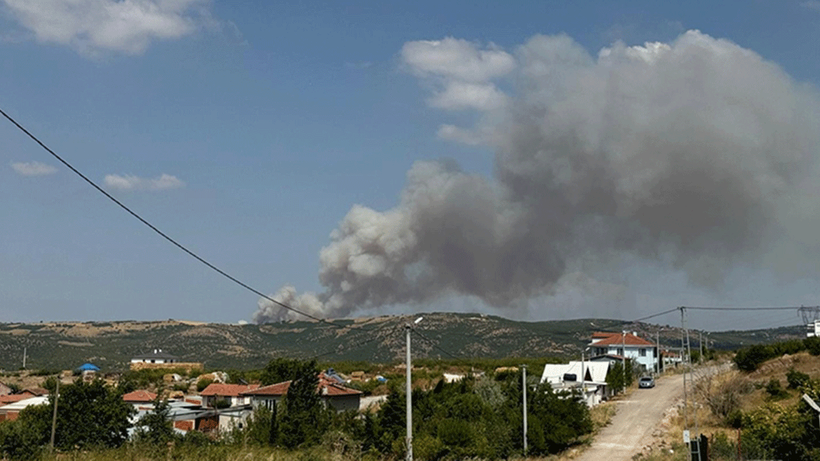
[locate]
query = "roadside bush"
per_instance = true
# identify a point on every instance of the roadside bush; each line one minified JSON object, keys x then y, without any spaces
{"x":812,"y":345}
{"x":720,"y":447}
{"x":797,"y":379}
{"x":775,"y":390}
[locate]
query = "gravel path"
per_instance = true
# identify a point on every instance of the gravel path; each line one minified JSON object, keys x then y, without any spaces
{"x":637,"y":417}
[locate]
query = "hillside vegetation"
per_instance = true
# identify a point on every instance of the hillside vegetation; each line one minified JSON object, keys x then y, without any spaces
{"x":110,"y":345}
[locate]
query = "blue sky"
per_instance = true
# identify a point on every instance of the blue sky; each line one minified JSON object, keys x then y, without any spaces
{"x":270,"y":120}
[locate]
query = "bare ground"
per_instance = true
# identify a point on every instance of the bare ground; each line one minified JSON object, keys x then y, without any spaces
{"x":638,"y":421}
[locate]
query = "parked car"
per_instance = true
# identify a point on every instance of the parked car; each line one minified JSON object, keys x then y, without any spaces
{"x":647,"y":382}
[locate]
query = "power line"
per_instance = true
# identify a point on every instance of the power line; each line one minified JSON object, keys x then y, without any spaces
{"x":775,"y":308}
{"x":435,"y":346}
{"x":656,"y":315}
{"x":354,"y":347}
{"x":159,"y":232}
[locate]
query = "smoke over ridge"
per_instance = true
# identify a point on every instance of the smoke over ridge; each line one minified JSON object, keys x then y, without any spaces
{"x":697,"y":153}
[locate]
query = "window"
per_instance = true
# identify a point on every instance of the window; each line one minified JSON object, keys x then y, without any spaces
{"x":643,"y":352}
{"x":620,"y":351}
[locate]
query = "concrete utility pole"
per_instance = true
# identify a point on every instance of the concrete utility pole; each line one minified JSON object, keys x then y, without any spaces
{"x":409,"y":402}
{"x":524,"y":388}
{"x":623,"y":357}
{"x":409,"y":392}
{"x":24,"y":358}
{"x":658,"y":352}
{"x":700,"y":343}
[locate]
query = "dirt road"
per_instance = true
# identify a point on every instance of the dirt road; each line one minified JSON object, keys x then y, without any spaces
{"x":637,"y":417}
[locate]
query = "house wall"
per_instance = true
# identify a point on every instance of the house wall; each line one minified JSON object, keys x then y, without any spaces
{"x":634,"y":353}
{"x":188,"y":366}
{"x":233,"y":420}
{"x":184,"y":425}
{"x":265,"y":401}
{"x":207,"y":424}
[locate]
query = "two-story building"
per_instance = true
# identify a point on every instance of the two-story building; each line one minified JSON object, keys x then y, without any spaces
{"x":627,"y":345}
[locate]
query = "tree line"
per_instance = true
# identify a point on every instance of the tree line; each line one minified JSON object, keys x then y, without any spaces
{"x":478,"y":417}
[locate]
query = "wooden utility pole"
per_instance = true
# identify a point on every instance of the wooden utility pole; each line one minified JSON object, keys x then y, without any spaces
{"x":54,"y":417}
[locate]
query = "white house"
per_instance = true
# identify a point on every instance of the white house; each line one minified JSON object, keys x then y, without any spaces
{"x":234,"y":394}
{"x":155,"y":356}
{"x":627,"y":345}
{"x":588,"y":377}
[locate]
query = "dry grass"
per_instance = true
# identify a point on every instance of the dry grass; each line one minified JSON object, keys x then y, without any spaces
{"x":750,"y":392}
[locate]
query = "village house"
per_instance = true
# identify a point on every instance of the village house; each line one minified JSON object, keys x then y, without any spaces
{"x":625,"y":344}
{"x":10,"y":411}
{"x":233,"y":394}
{"x":159,"y":359}
{"x":140,"y":398}
{"x":586,"y":377}
{"x":333,"y":393}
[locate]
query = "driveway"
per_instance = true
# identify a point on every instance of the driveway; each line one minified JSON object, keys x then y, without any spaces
{"x":637,"y":417}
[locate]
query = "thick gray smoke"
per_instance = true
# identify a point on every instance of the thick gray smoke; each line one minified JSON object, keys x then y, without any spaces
{"x":692,"y":154}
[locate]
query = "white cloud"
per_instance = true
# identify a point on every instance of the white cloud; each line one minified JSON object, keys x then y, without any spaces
{"x":457,"y":59}
{"x":467,"y":95}
{"x":95,"y":26}
{"x":461,"y":135}
{"x":133,"y":183}
{"x":33,"y":168}
{"x":462,"y":72}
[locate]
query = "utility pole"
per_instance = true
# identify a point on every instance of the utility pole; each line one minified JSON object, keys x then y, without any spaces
{"x":524,"y":389}
{"x":658,"y":352}
{"x":682,"y":346}
{"x":688,"y":346}
{"x":409,"y":402}
{"x":700,"y":343}
{"x":623,"y":356}
{"x":54,"y":417}
{"x":409,"y":392}
{"x":24,"y":357}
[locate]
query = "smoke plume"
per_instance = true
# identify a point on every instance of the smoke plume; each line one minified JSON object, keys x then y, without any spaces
{"x":692,"y":154}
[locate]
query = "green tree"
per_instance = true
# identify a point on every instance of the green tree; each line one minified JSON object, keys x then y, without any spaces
{"x":282,"y":369}
{"x":558,"y":420}
{"x":616,"y":379}
{"x":155,"y":427}
{"x":305,"y":418}
{"x":90,"y":415}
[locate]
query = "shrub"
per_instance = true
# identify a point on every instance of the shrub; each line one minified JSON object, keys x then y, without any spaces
{"x":775,"y":390}
{"x":813,"y":345}
{"x":203,"y":383}
{"x":797,"y":379}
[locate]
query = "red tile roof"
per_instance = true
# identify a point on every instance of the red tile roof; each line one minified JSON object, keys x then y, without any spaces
{"x":139,"y":396}
{"x":35,"y":391}
{"x":325,"y":387}
{"x":227,"y":390}
{"x":11,"y":398}
{"x":614,"y":339}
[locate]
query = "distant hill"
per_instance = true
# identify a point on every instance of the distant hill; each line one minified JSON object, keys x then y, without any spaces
{"x":110,"y":345}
